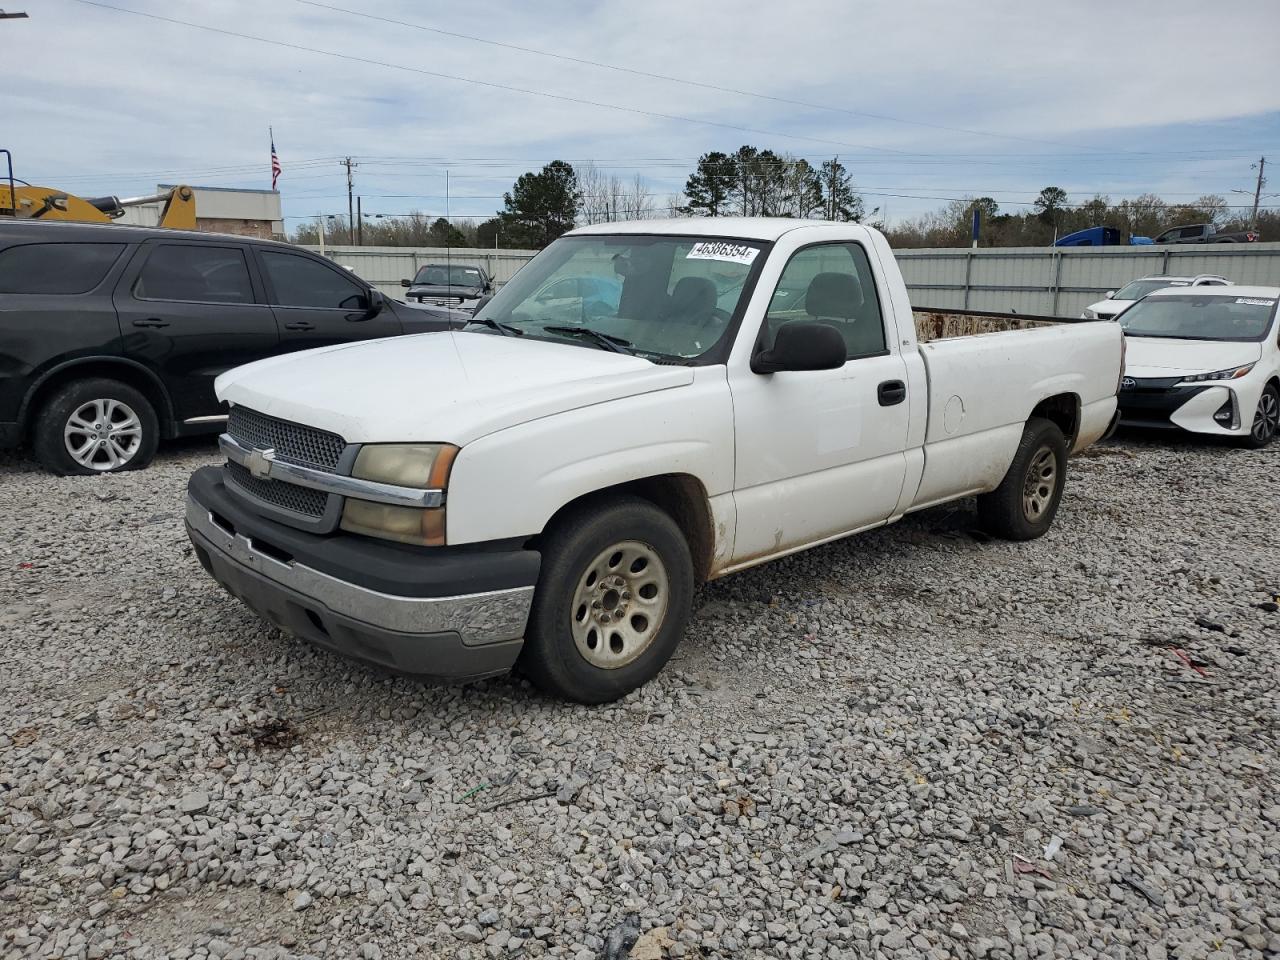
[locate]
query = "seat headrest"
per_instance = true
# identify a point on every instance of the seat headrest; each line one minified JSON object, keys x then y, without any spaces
{"x":833,"y":295}
{"x":692,"y":296}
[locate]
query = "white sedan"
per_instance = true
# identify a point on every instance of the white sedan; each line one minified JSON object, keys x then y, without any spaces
{"x":1117,"y":301}
{"x":1206,"y":360}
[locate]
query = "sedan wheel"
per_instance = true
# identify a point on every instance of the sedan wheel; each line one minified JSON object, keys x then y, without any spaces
{"x":1266,"y":422}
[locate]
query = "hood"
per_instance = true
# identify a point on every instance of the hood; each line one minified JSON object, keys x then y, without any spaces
{"x":1109,"y":308}
{"x":447,"y":387}
{"x":1156,"y":357}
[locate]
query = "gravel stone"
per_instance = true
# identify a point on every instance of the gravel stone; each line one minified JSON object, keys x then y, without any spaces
{"x":858,"y":750}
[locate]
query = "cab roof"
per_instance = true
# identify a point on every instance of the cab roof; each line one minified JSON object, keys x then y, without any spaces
{"x":765,"y":229}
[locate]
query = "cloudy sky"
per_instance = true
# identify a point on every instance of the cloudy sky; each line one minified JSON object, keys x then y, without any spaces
{"x":922,"y":99}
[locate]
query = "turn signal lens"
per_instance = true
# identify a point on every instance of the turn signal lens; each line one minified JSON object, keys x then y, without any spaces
{"x":402,"y":524}
{"x":423,"y":466}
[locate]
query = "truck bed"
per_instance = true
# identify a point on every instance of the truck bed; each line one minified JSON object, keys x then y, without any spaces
{"x":983,"y":388}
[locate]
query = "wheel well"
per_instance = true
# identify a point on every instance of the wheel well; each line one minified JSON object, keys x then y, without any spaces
{"x":1064,"y":410}
{"x":681,"y":496}
{"x":135,"y":377}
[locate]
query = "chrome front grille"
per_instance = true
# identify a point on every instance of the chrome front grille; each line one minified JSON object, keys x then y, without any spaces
{"x":287,"y":496}
{"x":291,"y":441}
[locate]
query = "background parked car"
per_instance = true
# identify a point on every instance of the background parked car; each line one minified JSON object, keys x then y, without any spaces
{"x":1133,"y":291}
{"x":1205,"y":361}
{"x":448,"y":285}
{"x":111,"y":336}
{"x":1206,"y":233}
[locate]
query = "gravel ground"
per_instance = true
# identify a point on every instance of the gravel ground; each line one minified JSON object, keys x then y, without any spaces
{"x":918,"y":742}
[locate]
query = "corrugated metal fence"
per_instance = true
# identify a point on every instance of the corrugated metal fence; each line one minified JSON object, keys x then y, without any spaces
{"x":1036,"y":280}
{"x":1063,"y":281}
{"x":385,"y":267}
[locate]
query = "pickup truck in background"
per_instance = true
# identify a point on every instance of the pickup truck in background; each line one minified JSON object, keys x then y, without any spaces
{"x":546,"y":491}
{"x":1206,"y":233}
{"x":455,"y":285}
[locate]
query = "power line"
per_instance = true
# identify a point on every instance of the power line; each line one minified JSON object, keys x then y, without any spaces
{"x":481,"y":83}
{"x":688,"y":82}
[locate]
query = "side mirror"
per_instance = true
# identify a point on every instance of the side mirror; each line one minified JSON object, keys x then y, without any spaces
{"x":406,"y":283}
{"x":377,"y":302}
{"x":802,"y":345}
{"x":1110,"y":294}
{"x":482,"y":303}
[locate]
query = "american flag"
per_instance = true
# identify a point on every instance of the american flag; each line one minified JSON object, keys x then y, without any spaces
{"x":275,"y":164}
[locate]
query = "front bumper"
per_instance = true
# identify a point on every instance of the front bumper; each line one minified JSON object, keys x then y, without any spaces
{"x":444,"y":613}
{"x":1163,"y":404}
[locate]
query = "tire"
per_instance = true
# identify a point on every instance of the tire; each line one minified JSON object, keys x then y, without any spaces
{"x":95,"y":426}
{"x":1025,"y":503}
{"x":612,"y":602}
{"x":1266,"y":420}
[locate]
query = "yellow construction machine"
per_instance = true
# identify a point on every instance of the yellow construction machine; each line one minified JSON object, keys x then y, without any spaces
{"x":22,"y":200}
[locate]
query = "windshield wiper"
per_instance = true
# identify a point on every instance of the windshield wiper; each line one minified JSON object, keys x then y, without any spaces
{"x":606,"y":341}
{"x":505,"y":329}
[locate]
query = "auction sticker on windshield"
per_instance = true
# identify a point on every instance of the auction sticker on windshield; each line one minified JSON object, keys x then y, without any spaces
{"x":721,"y":250}
{"x":1255,"y":303}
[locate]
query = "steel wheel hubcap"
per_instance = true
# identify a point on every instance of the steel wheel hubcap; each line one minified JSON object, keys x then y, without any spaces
{"x":620,"y":604}
{"x":102,"y":434}
{"x":1037,"y":489}
{"x":1268,"y":417}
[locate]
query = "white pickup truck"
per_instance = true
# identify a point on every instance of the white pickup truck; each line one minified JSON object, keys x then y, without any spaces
{"x":546,"y":487}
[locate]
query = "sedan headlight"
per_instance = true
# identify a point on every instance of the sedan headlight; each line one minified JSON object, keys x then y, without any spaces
{"x":1232,"y":373}
{"x":421,"y":466}
{"x":1089,"y":315}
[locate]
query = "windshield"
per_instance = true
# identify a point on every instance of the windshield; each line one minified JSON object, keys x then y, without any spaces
{"x":443,"y":275}
{"x":1140,"y":288}
{"x":662,"y":296}
{"x":1200,"y":317}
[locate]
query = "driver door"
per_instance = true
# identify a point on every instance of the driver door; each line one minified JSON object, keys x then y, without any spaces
{"x":821,"y":453}
{"x":317,"y":303}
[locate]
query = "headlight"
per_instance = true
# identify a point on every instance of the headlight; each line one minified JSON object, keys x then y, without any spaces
{"x":1233,"y":373}
{"x":1089,"y":315}
{"x":423,"y":466}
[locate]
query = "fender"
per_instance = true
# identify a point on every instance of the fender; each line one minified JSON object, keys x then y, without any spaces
{"x":165,"y":414}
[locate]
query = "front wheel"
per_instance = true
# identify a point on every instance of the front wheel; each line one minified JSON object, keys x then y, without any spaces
{"x":95,"y":426}
{"x":1266,"y":419}
{"x":1025,"y":503}
{"x":612,"y":602}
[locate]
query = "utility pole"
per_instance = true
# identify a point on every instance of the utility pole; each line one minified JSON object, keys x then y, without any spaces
{"x":1257,"y":192}
{"x":831,"y":189}
{"x":351,"y":213}
{"x":359,"y":222}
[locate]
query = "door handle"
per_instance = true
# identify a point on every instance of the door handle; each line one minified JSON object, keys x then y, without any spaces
{"x":151,"y":322}
{"x":891,"y":392}
{"x":299,"y":325}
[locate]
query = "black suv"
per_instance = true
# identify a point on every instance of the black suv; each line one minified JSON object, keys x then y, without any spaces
{"x":111,"y":336}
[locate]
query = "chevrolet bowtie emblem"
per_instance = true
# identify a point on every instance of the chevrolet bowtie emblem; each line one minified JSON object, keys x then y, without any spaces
{"x":258,"y":463}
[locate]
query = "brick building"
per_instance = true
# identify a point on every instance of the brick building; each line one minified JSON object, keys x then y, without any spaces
{"x":248,"y":213}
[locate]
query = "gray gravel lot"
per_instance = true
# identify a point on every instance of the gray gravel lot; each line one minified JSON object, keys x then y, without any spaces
{"x":870,"y":749}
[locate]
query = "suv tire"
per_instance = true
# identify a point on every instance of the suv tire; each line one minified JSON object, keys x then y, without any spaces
{"x":95,"y":426}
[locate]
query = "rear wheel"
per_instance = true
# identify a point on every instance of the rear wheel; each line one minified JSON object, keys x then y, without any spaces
{"x":1266,"y":419}
{"x":612,"y":601}
{"x":1025,"y":503}
{"x":95,"y":426}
